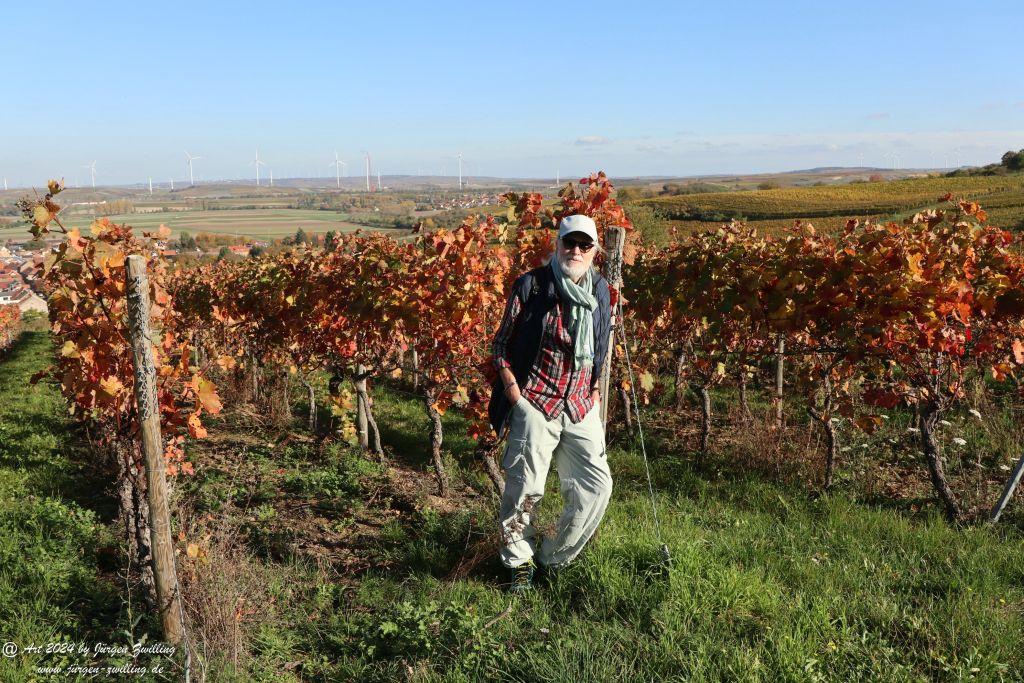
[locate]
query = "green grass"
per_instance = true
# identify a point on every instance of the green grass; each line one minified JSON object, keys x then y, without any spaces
{"x":767,"y":582}
{"x":59,"y":552}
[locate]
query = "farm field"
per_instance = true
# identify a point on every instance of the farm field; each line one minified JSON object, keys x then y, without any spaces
{"x":857,"y":200}
{"x":254,"y":223}
{"x":828,"y":208}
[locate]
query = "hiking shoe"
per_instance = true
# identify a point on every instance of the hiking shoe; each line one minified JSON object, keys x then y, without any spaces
{"x":522,"y":577}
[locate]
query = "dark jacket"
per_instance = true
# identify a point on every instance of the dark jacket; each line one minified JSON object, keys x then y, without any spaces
{"x":538,"y":294}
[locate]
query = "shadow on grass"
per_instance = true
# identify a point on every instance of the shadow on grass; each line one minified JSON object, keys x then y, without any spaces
{"x":40,"y":441}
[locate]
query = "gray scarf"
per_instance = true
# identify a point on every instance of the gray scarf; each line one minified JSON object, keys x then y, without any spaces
{"x":581,"y":304}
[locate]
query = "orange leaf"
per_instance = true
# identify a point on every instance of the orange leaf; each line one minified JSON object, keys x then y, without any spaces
{"x":206,"y":394}
{"x":1018,"y":351}
{"x":195,"y":427}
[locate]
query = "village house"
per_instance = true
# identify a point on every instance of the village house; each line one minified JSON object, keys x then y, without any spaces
{"x":17,"y":294}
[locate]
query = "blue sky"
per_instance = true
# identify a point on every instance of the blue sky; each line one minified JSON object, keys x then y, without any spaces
{"x":521,"y":89}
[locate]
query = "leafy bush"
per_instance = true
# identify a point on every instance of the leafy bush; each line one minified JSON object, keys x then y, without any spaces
{"x":328,"y":483}
{"x":451,"y":635}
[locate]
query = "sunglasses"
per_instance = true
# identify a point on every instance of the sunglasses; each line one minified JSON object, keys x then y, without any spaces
{"x":568,"y":244}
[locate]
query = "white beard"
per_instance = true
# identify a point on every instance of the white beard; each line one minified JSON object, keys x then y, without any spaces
{"x":572,"y":271}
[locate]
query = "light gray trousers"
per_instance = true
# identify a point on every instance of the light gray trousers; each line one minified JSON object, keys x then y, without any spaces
{"x":586,"y":483}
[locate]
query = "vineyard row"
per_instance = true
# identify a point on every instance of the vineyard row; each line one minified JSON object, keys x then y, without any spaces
{"x":878,"y":315}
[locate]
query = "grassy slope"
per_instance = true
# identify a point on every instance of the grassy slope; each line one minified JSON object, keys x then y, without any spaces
{"x":58,"y":557}
{"x":767,"y":584}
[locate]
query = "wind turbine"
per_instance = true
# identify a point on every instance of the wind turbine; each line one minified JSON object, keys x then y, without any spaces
{"x":337,"y":164}
{"x":5,"y":183}
{"x":190,"y":158}
{"x":151,"y":185}
{"x":92,"y":171}
{"x":367,"y":171}
{"x":460,"y":170}
{"x":257,"y":163}
{"x":271,"y":177}
{"x":380,"y":186}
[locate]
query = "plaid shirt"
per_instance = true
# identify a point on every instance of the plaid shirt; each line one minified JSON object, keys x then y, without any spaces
{"x":553,"y":384}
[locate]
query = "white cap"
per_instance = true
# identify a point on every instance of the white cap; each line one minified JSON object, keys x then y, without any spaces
{"x":578,"y":223}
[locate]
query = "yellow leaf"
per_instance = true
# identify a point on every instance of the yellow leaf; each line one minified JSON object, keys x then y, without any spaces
{"x":49,"y":262}
{"x":646,"y":381}
{"x":192,"y":550}
{"x":164,"y":232}
{"x":111,"y":386}
{"x":41,"y":216}
{"x":206,"y":393}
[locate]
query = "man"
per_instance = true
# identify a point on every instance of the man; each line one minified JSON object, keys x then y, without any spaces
{"x":549,"y":352}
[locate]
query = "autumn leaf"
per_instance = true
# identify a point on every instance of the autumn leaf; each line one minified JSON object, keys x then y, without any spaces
{"x":868,"y":423}
{"x":41,"y":216}
{"x":206,"y":394}
{"x":1018,"y":351}
{"x":646,"y":381}
{"x":111,"y":386}
{"x":195,"y":427}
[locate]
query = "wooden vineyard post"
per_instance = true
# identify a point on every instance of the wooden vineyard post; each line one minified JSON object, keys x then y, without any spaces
{"x":1011,"y":486}
{"x":615,"y":238}
{"x":780,"y":355}
{"x":164,"y":574}
{"x":362,"y":421}
{"x":415,"y":370}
